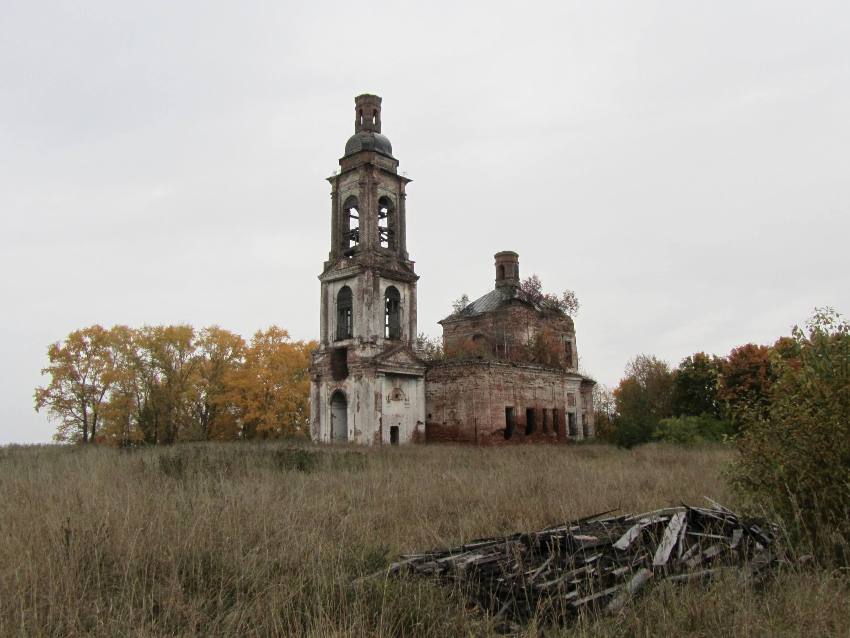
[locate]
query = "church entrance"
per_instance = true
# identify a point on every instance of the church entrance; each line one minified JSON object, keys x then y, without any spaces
{"x":339,"y":417}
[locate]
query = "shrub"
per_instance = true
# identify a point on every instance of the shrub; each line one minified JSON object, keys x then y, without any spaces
{"x":795,"y":459}
{"x":691,"y":430}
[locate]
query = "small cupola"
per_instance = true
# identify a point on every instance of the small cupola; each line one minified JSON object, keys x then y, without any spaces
{"x":367,"y":127}
{"x":507,"y":269}
{"x":367,"y":113}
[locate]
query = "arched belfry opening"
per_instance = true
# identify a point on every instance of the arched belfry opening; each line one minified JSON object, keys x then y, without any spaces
{"x":339,"y":417}
{"x":386,"y":222}
{"x":392,"y":313}
{"x":351,"y":226}
{"x":344,"y":314}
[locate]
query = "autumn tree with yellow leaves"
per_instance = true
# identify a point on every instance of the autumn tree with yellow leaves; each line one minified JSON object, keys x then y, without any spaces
{"x":163,"y":384}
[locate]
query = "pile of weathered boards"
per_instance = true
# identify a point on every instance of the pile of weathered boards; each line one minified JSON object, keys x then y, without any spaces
{"x":599,"y":562}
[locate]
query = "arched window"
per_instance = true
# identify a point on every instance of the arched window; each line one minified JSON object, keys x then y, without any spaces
{"x":392,"y":313}
{"x":344,"y":314}
{"x":350,"y":226}
{"x":386,"y":222}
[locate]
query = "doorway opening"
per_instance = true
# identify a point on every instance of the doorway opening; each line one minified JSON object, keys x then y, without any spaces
{"x":339,"y":417}
{"x":393,"y":435}
{"x":529,"y":421}
{"x":573,"y":430}
{"x":510,"y":422}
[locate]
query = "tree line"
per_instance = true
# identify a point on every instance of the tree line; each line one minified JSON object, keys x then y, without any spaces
{"x":163,"y":384}
{"x":706,"y":397}
{"x":786,"y":407}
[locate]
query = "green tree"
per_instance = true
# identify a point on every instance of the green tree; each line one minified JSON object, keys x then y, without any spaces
{"x":795,"y":454}
{"x":695,"y":384}
{"x":642,"y":399}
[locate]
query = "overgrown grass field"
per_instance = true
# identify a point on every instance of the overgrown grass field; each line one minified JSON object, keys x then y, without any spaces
{"x":266,"y":539}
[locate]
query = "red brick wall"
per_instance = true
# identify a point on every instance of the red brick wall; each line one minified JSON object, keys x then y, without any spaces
{"x":465,"y":402}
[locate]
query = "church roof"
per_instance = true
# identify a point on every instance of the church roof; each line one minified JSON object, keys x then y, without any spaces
{"x":495,"y":299}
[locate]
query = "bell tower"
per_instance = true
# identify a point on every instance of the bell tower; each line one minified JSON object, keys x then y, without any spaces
{"x":367,"y":384}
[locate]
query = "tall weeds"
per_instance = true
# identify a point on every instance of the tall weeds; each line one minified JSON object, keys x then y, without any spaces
{"x":266,"y":539}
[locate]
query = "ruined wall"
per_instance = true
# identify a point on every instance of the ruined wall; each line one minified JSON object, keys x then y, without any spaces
{"x":477,"y":401}
{"x":401,"y":406}
{"x":504,"y":333}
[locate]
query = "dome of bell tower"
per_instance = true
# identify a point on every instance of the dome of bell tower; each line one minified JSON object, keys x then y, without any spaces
{"x":367,"y":127}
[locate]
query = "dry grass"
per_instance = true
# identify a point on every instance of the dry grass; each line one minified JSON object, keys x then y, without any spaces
{"x":221,"y":540}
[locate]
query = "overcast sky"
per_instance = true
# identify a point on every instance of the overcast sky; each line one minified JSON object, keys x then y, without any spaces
{"x":683,"y":166}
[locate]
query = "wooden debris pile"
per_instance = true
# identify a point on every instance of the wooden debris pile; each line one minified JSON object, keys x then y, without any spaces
{"x":598,"y":562}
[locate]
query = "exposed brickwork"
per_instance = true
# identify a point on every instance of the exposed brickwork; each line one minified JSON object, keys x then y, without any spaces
{"x":466,"y":402}
{"x":505,"y":333}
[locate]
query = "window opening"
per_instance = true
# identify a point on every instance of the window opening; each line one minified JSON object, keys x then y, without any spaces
{"x":351,"y":226}
{"x":392,"y":312}
{"x":510,"y":422}
{"x":500,"y":273}
{"x":344,"y":314}
{"x":386,"y":223}
{"x":529,"y":421}
{"x":571,"y":418}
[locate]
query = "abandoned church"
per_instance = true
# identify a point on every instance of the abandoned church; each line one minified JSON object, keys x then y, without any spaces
{"x":368,"y":383}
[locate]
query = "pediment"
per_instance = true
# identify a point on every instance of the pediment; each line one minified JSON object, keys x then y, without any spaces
{"x":400,"y":357}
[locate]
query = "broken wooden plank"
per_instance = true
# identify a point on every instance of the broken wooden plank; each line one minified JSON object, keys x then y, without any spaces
{"x":668,"y":541}
{"x":596,"y":596}
{"x":688,"y":576}
{"x":628,"y":590}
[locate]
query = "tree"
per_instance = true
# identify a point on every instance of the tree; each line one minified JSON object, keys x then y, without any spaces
{"x":127,"y":397}
{"x":220,"y":355}
{"x":746,"y":377}
{"x":605,"y":411}
{"x":429,"y":348}
{"x":460,"y":303}
{"x":695,"y":386}
{"x":643,"y":398}
{"x":167,"y":365}
{"x":795,"y":454}
{"x":81,"y":373}
{"x":532,"y":289}
{"x":272,"y":388}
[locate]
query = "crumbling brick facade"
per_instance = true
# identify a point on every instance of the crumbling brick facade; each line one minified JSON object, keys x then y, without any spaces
{"x":510,"y":375}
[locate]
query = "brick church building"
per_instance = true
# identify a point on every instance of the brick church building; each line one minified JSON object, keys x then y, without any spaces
{"x":368,"y":383}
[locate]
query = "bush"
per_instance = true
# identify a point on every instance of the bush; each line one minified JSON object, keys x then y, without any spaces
{"x":796,"y":458}
{"x":691,"y":430}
